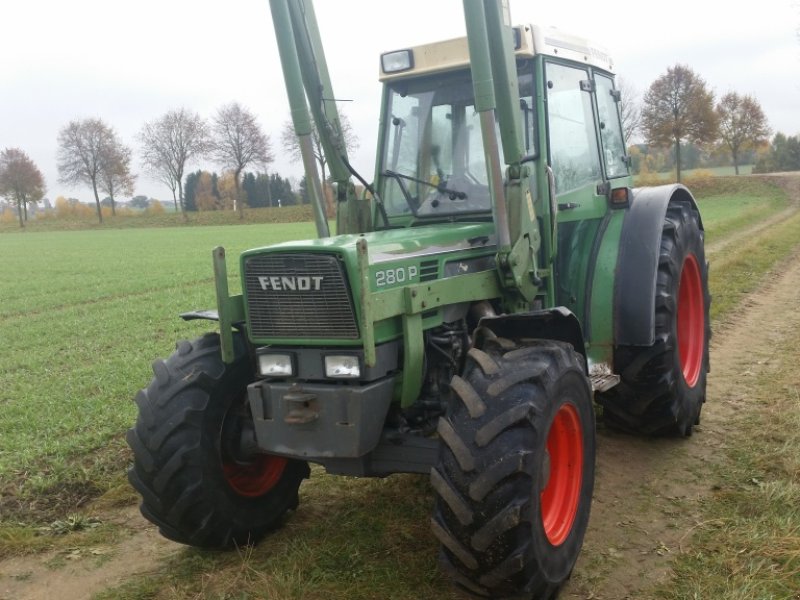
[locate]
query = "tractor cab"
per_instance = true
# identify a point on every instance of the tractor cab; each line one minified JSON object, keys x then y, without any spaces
{"x":431,"y":160}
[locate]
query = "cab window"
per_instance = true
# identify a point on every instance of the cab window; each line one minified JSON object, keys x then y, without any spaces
{"x":610,"y":128}
{"x":574,"y":153}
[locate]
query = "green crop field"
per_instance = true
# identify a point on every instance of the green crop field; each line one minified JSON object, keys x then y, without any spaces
{"x":82,"y":316}
{"x":84,"y":313}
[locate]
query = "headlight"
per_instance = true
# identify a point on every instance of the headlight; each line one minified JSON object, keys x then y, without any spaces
{"x":395,"y":62}
{"x":342,"y":367}
{"x":275,"y":365}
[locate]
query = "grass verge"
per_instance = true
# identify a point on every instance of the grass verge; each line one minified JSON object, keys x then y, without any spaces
{"x":731,"y":204}
{"x":741,"y":270}
{"x":747,"y":546}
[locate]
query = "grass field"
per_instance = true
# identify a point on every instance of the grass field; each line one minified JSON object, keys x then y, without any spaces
{"x":83,"y":314}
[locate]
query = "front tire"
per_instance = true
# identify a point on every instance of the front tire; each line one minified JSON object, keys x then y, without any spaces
{"x":193,"y":486}
{"x":515,"y":475}
{"x":663,"y":386}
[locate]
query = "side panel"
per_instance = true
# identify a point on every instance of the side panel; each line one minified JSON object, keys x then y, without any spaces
{"x":599,"y":325}
{"x":637,"y":266}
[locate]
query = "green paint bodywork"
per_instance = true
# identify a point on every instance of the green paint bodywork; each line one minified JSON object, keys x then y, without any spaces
{"x":229,"y":308}
{"x":384,"y":313}
{"x":380,"y":309}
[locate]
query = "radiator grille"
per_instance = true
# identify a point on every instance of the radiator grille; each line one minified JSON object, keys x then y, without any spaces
{"x":299,"y":296}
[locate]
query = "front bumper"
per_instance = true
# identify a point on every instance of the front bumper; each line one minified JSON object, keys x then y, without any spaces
{"x":319,"y":420}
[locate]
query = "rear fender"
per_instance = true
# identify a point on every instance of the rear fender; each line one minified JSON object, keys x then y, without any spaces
{"x":637,"y":264}
{"x":557,"y":323}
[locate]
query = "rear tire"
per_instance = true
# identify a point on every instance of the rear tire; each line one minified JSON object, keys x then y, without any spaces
{"x":515,"y":474}
{"x":192,"y":485}
{"x":663,"y":386}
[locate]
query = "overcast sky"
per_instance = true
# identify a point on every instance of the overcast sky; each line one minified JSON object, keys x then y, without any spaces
{"x":129,"y":62}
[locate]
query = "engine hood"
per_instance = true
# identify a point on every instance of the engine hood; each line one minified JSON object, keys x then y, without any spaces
{"x":395,"y":244}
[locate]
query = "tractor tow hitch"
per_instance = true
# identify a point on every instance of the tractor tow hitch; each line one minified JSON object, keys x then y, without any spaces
{"x":301,"y":407}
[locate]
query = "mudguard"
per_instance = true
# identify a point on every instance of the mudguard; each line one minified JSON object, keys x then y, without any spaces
{"x":200,"y":315}
{"x":637,"y":264}
{"x":557,"y":323}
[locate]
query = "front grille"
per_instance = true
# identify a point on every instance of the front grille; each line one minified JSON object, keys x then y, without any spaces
{"x":299,"y":296}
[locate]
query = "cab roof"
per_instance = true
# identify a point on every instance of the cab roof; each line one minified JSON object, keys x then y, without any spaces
{"x":530,"y":40}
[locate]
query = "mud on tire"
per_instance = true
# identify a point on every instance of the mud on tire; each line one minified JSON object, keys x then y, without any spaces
{"x":663,"y":386}
{"x":192,"y":486}
{"x":515,"y":475}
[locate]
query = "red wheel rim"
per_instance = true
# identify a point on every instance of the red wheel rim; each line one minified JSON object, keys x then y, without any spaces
{"x":255,"y":478}
{"x":562,"y":493}
{"x":691,"y":321}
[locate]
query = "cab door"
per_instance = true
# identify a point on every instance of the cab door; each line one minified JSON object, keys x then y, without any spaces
{"x":576,"y":178}
{"x":573,"y":149}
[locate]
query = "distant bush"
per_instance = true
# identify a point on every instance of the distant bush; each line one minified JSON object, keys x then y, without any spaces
{"x":71,"y":209}
{"x":155,"y":208}
{"x":648,"y":179}
{"x":8,"y":215}
{"x":700,"y":180}
{"x":783,"y":155}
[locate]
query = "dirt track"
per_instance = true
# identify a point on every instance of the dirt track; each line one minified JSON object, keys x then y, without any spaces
{"x":636,"y":528}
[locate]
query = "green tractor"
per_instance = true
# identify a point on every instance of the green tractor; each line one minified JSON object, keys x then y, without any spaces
{"x":497,"y":276}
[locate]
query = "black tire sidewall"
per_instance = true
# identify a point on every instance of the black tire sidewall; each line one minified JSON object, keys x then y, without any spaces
{"x":249,"y":511}
{"x":180,"y":473}
{"x":548,"y":374}
{"x":557,"y":561}
{"x":653,"y":397}
{"x":687,"y":241}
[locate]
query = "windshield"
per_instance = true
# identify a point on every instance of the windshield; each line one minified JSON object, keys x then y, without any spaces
{"x":433,"y":160}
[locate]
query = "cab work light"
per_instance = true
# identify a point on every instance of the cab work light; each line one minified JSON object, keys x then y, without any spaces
{"x":396,"y":62}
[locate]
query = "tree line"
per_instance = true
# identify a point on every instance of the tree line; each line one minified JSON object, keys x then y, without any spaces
{"x":90,"y":153}
{"x":204,"y":190}
{"x":678,"y":112}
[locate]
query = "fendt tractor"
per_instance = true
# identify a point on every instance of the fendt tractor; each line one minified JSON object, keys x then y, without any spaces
{"x":497,"y":276}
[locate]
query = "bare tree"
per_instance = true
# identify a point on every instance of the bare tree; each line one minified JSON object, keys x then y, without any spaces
{"x":82,"y":148}
{"x":742,"y":124}
{"x":678,"y":107}
{"x":21,"y":181}
{"x":292,"y":146}
{"x":115,"y":172}
{"x":630,"y":111}
{"x":237,"y":141}
{"x":171,"y":142}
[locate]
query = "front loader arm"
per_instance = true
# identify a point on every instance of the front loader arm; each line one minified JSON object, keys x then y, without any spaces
{"x":308,"y":84}
{"x":494,"y":76}
{"x":319,"y":90}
